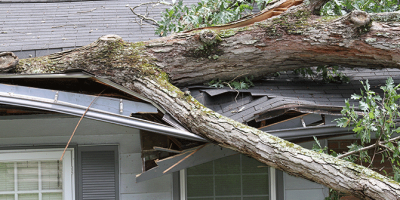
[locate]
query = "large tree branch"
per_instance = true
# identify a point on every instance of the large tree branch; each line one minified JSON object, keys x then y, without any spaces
{"x":292,"y":40}
{"x":295,"y":39}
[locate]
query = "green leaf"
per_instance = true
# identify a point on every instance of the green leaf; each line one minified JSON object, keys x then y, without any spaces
{"x":342,"y":122}
{"x":356,"y":96}
{"x":363,"y":106}
{"x":316,"y":141}
{"x":358,"y":129}
{"x":371,"y":115}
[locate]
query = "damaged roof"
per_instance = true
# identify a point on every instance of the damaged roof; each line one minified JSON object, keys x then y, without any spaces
{"x":276,"y":95}
{"x":73,"y":91}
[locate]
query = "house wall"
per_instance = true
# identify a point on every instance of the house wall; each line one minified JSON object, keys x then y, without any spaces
{"x":42,"y":130}
{"x":302,"y":189}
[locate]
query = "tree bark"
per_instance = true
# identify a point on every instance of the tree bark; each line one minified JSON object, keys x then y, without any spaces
{"x":292,"y":40}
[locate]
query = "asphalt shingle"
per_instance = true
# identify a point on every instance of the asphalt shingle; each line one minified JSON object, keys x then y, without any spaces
{"x":281,"y":91}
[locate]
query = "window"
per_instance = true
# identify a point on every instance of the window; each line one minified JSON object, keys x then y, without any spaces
{"x":236,"y":177}
{"x":36,"y":175}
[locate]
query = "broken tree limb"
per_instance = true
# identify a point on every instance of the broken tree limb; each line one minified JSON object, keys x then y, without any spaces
{"x":291,"y":40}
{"x":184,"y":158}
{"x":8,"y":61}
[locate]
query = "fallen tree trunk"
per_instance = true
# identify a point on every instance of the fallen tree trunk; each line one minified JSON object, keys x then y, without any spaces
{"x":292,"y":40}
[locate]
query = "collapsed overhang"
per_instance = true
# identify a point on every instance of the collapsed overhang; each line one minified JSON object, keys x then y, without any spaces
{"x":106,"y":109}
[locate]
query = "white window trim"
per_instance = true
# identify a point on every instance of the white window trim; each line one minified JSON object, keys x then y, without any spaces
{"x":182,"y":184}
{"x":272,"y":183}
{"x":271,"y":177}
{"x":47,"y":154}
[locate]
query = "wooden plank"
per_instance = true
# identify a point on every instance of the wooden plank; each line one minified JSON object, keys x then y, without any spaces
{"x":166,"y":150}
{"x":209,"y":153}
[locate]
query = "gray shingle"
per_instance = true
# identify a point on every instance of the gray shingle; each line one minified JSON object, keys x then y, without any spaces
{"x":74,"y":20}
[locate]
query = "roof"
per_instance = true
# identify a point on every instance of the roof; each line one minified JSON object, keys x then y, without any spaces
{"x":290,"y":91}
{"x":59,"y":25}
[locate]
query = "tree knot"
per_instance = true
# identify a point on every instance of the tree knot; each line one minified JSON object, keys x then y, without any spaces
{"x":359,"y":18}
{"x":110,"y":37}
{"x":208,"y":36}
{"x":8,"y":61}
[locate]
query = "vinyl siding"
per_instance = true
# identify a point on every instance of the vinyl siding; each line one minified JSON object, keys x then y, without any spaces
{"x":56,"y":131}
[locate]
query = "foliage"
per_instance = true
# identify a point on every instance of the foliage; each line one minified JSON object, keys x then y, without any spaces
{"x":379,"y":116}
{"x":328,"y":74}
{"x":205,"y":13}
{"x":241,"y":84}
{"x":342,"y":7}
{"x":375,"y":115}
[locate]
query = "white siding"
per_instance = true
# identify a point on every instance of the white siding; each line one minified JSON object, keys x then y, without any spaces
{"x":296,"y":188}
{"x":56,"y":131}
{"x":302,"y":189}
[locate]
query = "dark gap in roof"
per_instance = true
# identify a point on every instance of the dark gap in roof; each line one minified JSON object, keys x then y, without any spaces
{"x":150,"y":140}
{"x":7,"y":110}
{"x":77,"y":85}
{"x":151,"y":117}
{"x":285,"y":116}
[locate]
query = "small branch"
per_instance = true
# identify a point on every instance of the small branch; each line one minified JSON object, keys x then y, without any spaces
{"x":387,"y":148}
{"x":356,"y":151}
{"x":369,"y":147}
{"x":376,"y":149}
{"x":145,"y":17}
{"x":229,"y":85}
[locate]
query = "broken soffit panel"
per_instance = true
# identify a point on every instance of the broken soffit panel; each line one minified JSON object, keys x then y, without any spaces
{"x":188,"y":158}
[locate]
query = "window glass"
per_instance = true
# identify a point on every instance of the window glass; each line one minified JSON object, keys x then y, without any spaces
{"x":236,"y":177}
{"x":51,"y":172}
{"x":39,"y":177}
{"x":227,"y":185}
{"x":27,"y":176}
{"x":6,"y":177}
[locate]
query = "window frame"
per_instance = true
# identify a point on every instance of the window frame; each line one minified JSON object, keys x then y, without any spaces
{"x":272,"y":176}
{"x":47,"y":154}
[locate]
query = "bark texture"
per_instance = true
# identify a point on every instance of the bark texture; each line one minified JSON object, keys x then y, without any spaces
{"x":295,"y":39}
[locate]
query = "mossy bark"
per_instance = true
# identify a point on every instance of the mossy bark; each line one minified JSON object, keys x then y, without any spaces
{"x":292,"y":40}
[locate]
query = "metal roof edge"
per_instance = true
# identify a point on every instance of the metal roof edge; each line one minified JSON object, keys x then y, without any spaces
{"x":76,"y":73}
{"x":114,"y":85}
{"x":96,"y":114}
